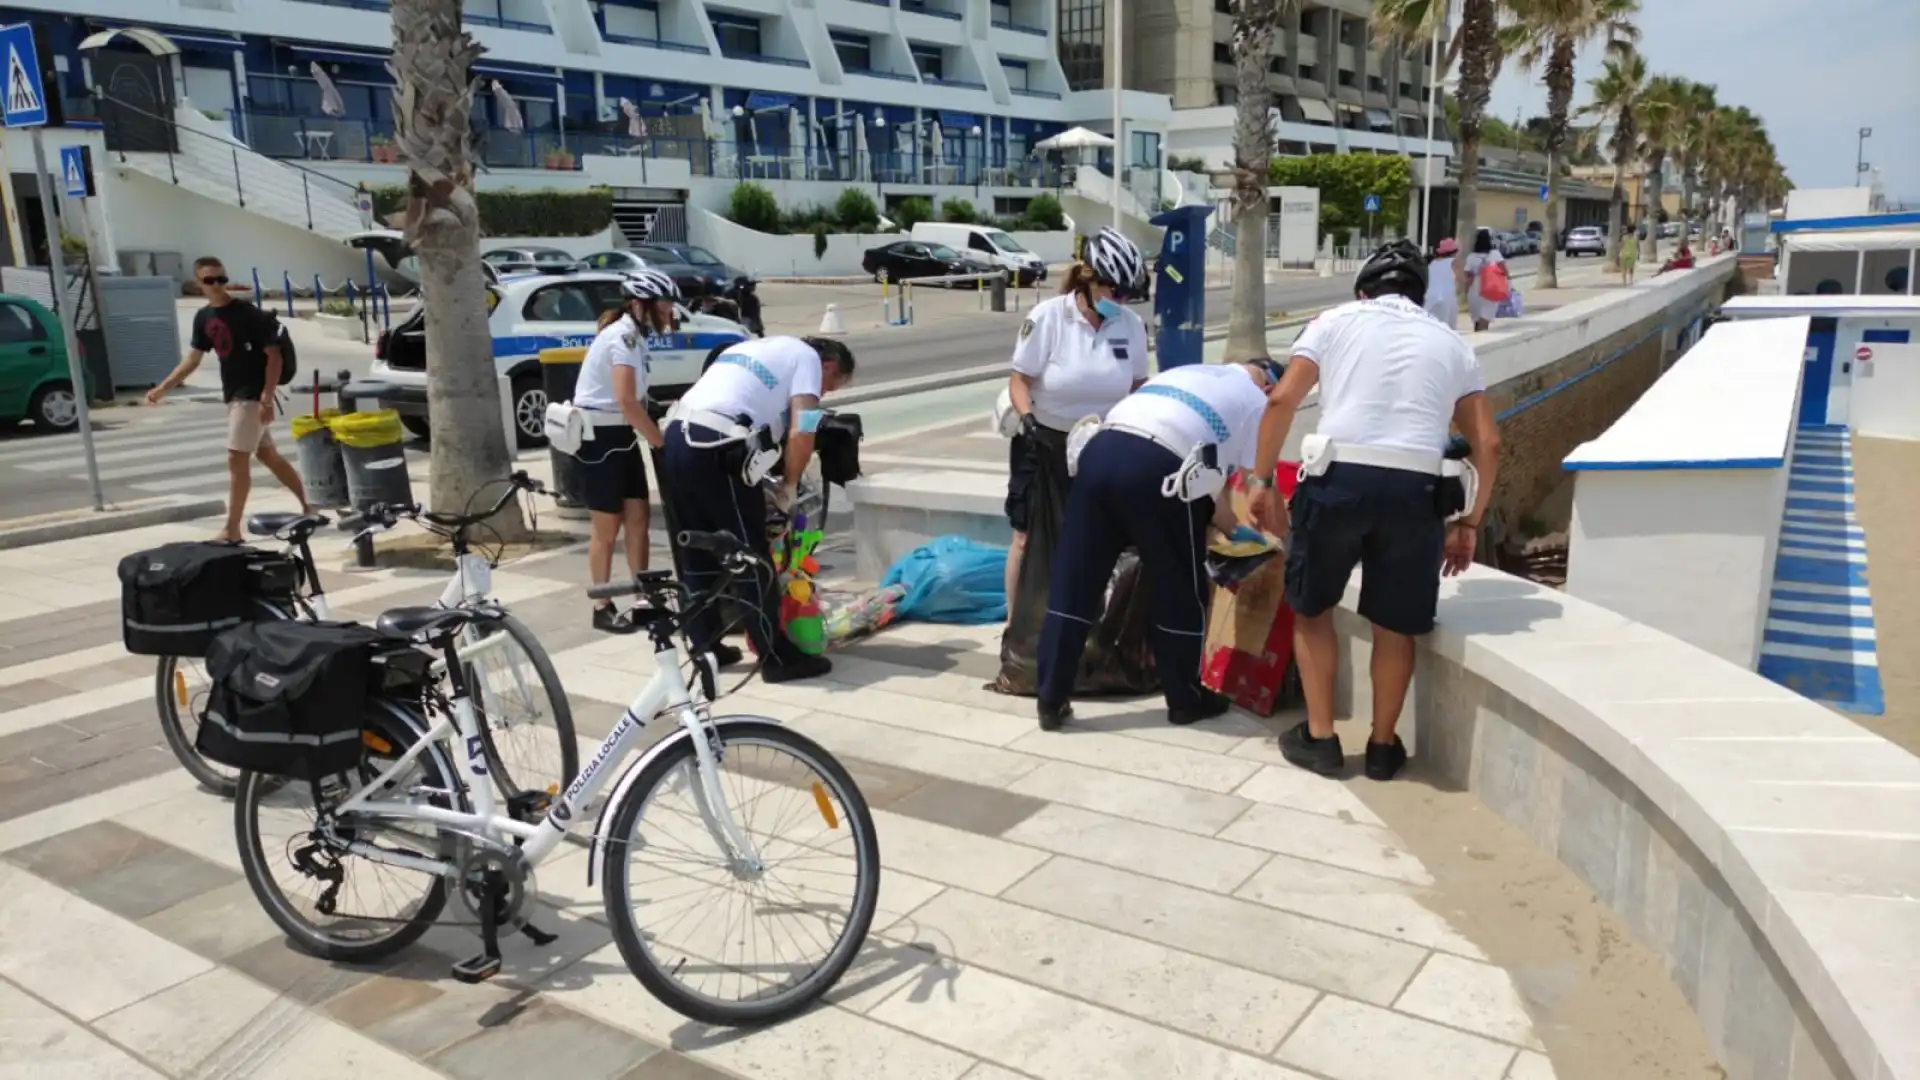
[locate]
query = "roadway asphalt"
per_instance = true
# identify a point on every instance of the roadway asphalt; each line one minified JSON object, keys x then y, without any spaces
{"x":889,"y":354}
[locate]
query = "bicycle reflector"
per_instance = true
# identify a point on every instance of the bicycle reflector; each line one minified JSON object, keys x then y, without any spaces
{"x":180,"y":687}
{"x":825,"y":804}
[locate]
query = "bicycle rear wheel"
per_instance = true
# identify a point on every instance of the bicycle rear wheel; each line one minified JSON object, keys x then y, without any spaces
{"x":180,"y":686}
{"x":523,"y":713}
{"x":770,"y":777}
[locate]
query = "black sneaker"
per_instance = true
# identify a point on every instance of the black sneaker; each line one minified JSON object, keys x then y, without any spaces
{"x":1322,"y":756}
{"x":806,"y":667}
{"x":726,"y":655}
{"x":1053,"y":716}
{"x":609,"y":620}
{"x":1385,"y":759}
{"x":1211,"y":705}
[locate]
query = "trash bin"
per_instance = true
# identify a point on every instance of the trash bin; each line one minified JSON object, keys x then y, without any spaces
{"x":322,"y":469}
{"x":372,"y":444}
{"x":559,"y":372}
{"x":997,"y":299}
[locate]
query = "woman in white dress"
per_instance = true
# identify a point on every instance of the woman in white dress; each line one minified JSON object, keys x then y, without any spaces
{"x":1443,"y":283}
{"x":1485,"y":254}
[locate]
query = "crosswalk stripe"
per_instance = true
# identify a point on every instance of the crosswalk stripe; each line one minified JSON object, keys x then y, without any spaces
{"x":179,"y":447}
{"x":65,"y":446}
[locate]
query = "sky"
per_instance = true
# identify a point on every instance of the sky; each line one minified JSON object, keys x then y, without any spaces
{"x":1815,"y":71}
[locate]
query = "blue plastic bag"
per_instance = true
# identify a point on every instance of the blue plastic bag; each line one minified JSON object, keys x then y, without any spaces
{"x":952,"y":580}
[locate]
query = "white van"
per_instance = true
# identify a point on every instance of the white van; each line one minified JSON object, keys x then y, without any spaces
{"x":987,"y":243}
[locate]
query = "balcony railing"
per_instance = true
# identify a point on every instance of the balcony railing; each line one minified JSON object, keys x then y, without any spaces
{"x":1017,"y":28}
{"x":761,"y":58}
{"x":655,"y":43}
{"x":919,"y":7}
{"x":894,"y":75}
{"x":359,"y":5}
{"x":964,"y":84}
{"x":501,"y":23}
{"x":1021,"y":91}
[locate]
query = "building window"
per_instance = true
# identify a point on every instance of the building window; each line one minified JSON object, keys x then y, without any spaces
{"x":931,"y":63}
{"x":1222,"y":53}
{"x":1310,"y":72}
{"x":1018,"y":76}
{"x":1277,"y":65}
{"x":1083,"y":43}
{"x":1346,"y":78}
{"x":1376,"y":84}
{"x":1225,"y":95}
{"x":854,"y":50}
{"x":1002,"y":12}
{"x":1406,"y":89}
{"x":737,"y":36}
{"x":1224,"y":7}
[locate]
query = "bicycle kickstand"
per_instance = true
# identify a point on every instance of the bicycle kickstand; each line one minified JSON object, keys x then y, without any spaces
{"x":480,"y":968}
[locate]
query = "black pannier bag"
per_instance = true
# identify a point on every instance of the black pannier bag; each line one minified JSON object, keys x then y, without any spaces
{"x":288,"y":698}
{"x":176,"y":598}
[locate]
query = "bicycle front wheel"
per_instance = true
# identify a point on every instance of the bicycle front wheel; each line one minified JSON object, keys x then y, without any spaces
{"x":523,"y":712}
{"x":742,"y":942}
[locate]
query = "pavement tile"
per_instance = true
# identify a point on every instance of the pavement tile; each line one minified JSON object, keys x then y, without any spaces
{"x":1144,"y":849}
{"x":1138,"y":757}
{"x":154,"y":882}
{"x":950,"y":856}
{"x":1348,"y":1040}
{"x":1276,"y":943}
{"x":1361,"y":901}
{"x":667,"y":1065}
{"x":1365,"y":848}
{"x":217,"y":1021}
{"x":306,"y":979}
{"x":32,"y":692}
{"x":936,"y":755}
{"x":41,"y":1044}
{"x":984,"y":810}
{"x":82,"y":960}
{"x":538,"y":1038}
{"x":46,"y":787}
{"x":215,"y":924}
{"x":81,"y":854}
{"x":1531,"y":1066}
{"x":1297,"y":789}
{"x":1468,"y":994}
{"x":379,"y":999}
{"x":1155,"y":802}
{"x":457,"y":1011}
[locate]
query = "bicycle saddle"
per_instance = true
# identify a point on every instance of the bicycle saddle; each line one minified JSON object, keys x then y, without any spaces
{"x":272,"y":523}
{"x":409,"y":622}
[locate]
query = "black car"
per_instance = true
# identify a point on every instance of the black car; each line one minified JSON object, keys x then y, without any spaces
{"x":540,"y":260}
{"x":693,"y":279}
{"x":718,"y":274}
{"x":904,"y":260}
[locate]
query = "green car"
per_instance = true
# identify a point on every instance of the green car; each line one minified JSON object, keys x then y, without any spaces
{"x":34,"y":382}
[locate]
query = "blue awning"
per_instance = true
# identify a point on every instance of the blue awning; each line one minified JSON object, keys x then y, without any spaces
{"x":523,"y":72}
{"x":336,"y":55}
{"x":762,"y":100}
{"x":949,"y":118}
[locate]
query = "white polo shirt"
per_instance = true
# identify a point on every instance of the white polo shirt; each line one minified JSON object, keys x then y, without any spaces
{"x":1390,"y":374}
{"x":757,"y":379}
{"x":1195,"y":404}
{"x":1079,"y":370}
{"x":621,"y":344}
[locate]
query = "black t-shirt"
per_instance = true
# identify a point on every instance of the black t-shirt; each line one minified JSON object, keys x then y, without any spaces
{"x":238,"y":333}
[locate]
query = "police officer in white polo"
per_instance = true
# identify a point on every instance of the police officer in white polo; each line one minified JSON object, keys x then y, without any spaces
{"x":722,"y":440}
{"x":1376,"y":490}
{"x":1148,"y":478}
{"x":1079,"y":353}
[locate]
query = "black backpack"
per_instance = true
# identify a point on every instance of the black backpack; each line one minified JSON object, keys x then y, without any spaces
{"x":289,"y":698}
{"x":176,"y":598}
{"x":289,"y":363}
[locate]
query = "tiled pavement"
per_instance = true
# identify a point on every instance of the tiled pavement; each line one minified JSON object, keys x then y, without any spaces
{"x":1123,"y":899}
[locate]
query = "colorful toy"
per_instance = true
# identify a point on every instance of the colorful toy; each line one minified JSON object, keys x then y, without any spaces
{"x":793,"y":561}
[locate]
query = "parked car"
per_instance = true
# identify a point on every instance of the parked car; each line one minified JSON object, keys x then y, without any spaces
{"x":1516,"y":243}
{"x":531,"y":312}
{"x":988,"y":244}
{"x":34,"y":381}
{"x":1585,"y":240}
{"x":717,"y":274}
{"x":903,"y":260}
{"x":530,"y":260}
{"x":1670,"y":230}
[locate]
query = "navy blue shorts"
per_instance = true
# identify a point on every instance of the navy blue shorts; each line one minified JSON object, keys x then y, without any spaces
{"x":1381,"y":520}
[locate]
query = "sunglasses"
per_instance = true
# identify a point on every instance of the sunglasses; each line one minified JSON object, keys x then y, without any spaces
{"x":218,"y":280}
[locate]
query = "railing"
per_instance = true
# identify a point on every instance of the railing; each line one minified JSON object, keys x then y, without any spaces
{"x":965,"y":84}
{"x":761,"y":58}
{"x":1006,"y":24}
{"x":310,"y":184}
{"x":919,"y":7}
{"x":894,"y":75}
{"x":655,"y":43}
{"x":1022,"y":91}
{"x":502,"y":23}
{"x":358,"y":5}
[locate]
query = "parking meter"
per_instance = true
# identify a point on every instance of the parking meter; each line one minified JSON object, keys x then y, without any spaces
{"x":1180,"y":286}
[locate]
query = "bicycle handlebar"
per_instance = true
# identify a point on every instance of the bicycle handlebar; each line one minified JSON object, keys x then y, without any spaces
{"x":381,"y":516}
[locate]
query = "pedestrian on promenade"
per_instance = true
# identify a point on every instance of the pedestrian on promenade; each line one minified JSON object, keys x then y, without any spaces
{"x":1443,"y":283}
{"x":250,"y":344}
{"x":1485,"y":254}
{"x":1629,"y":256}
{"x":1372,"y":491}
{"x":612,"y":390}
{"x":1151,"y":478}
{"x":1078,"y":354}
{"x":722,"y":440}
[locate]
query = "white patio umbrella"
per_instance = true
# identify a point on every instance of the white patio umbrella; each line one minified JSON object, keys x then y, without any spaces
{"x":862,"y":161}
{"x":330,"y":101}
{"x":939,"y":140}
{"x":796,"y":135}
{"x":1077,"y":138}
{"x":636,"y":124}
{"x":709,"y":125}
{"x":510,"y":117}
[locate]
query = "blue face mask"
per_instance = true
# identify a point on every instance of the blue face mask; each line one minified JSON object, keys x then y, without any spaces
{"x":1108,"y":307}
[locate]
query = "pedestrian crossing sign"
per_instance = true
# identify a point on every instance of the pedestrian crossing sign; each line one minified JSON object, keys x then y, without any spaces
{"x":25,"y":100}
{"x":76,"y":173}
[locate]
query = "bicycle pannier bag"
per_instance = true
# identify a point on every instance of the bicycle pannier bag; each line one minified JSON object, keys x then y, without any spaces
{"x":288,"y":697}
{"x":176,"y":598}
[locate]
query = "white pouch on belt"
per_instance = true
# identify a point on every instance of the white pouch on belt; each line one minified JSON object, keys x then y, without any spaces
{"x":1469,"y":477}
{"x":1078,"y":437}
{"x":1006,"y":419}
{"x":567,"y":427}
{"x":1199,"y":476}
{"x":763,"y":453}
{"x":1316,"y":455}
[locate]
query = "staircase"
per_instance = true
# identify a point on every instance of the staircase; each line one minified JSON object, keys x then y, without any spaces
{"x":213,"y":163}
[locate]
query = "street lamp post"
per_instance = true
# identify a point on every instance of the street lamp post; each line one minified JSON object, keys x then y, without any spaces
{"x":1119,"y":131}
{"x":1860,"y":155}
{"x":1433,"y":106}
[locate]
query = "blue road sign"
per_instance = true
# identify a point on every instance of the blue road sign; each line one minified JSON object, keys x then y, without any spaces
{"x":25,"y":99}
{"x":1372,"y":204}
{"x":73,"y":171}
{"x":1544,"y":191}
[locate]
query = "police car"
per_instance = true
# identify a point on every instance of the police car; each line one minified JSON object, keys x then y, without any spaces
{"x":531,"y":312}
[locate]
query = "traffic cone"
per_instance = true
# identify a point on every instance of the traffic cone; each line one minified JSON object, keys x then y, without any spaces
{"x":830,"y":323}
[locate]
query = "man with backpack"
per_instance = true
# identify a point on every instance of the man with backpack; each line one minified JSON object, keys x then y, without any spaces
{"x":255,"y":360}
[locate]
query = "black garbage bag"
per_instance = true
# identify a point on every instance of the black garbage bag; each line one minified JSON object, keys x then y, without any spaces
{"x":1119,"y":655}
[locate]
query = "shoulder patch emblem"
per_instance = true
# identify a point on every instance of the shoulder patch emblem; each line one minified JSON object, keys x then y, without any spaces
{"x":630,"y":338}
{"x":1026,"y":328}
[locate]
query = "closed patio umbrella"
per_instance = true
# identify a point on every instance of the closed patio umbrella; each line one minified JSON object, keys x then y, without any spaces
{"x":796,"y":137}
{"x":939,"y":140}
{"x":510,"y":117}
{"x":636,"y":124}
{"x":330,"y":101}
{"x":861,"y":161}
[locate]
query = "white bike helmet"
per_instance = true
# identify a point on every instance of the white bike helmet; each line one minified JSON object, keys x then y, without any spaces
{"x":1115,"y":260}
{"x":647,"y":283}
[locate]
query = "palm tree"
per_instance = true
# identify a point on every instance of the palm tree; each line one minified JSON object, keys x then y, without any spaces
{"x":432,"y":99}
{"x":1547,"y":33}
{"x":1658,"y":116}
{"x":1616,"y":100}
{"x":1476,"y":43}
{"x":1732,"y":151}
{"x":1696,"y":113}
{"x":1254,"y":24}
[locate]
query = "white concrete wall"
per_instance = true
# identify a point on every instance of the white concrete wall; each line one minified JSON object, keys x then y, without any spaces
{"x":792,"y":256}
{"x":153,"y":215}
{"x":1885,"y":391}
{"x":1804,"y":203}
{"x":577,"y":246}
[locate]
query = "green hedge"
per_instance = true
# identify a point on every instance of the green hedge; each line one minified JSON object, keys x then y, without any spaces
{"x":1345,"y":181}
{"x":511,"y":212}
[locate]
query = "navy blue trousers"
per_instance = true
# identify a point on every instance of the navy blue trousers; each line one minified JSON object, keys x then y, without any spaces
{"x":1116,"y":504}
{"x":705,"y":493}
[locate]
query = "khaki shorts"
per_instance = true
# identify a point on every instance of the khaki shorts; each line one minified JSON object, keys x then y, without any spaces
{"x":245,"y":433}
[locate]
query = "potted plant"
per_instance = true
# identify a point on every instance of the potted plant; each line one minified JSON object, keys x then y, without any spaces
{"x":383,"y":150}
{"x":559,"y":158}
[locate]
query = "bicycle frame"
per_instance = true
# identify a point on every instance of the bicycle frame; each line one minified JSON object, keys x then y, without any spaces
{"x":666,"y":692}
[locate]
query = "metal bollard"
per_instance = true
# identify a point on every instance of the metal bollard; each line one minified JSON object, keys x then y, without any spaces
{"x":286,"y":290}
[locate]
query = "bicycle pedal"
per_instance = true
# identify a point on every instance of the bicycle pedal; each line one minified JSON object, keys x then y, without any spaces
{"x":538,"y":936}
{"x":477,"y":969}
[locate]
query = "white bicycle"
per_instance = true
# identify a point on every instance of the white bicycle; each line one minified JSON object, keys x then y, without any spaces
{"x":529,"y":727}
{"x":713,"y":793}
